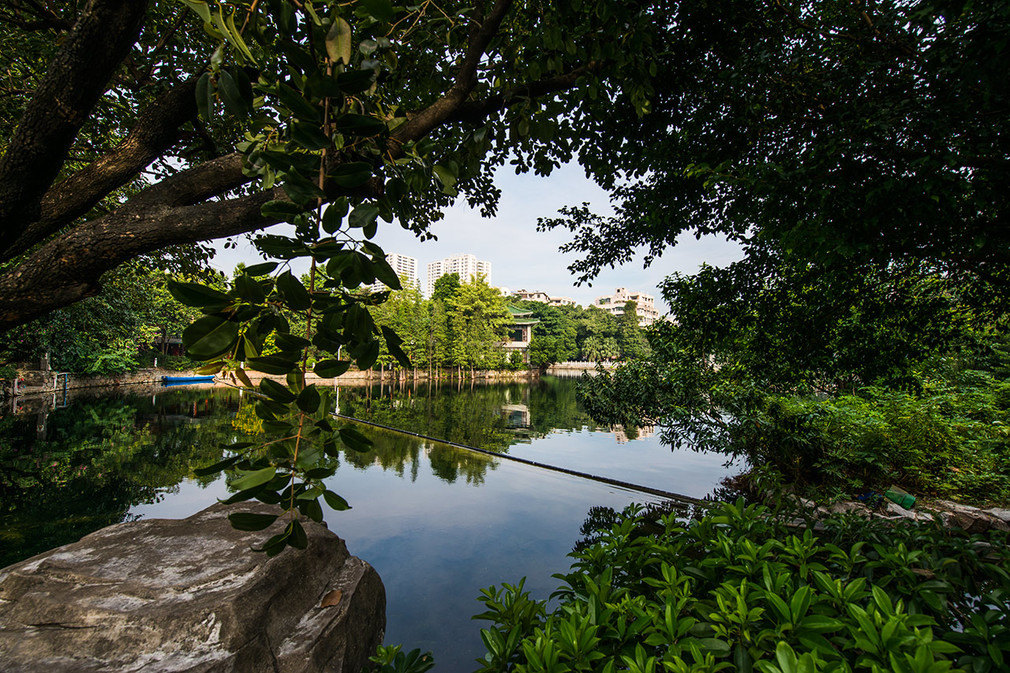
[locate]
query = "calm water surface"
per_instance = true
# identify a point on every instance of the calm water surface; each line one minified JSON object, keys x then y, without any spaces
{"x":437,"y":523}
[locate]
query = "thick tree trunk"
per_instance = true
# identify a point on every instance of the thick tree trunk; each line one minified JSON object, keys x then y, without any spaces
{"x":74,"y":81}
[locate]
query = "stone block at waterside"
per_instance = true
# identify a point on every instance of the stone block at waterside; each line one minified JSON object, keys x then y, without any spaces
{"x":189,"y":595}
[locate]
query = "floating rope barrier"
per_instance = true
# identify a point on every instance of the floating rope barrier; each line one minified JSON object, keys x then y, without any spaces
{"x":685,"y":499}
{"x":676,"y":497}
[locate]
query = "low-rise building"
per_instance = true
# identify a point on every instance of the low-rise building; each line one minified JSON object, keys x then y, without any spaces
{"x":542,"y":297}
{"x":532,"y":295}
{"x":520,"y":332}
{"x":614,"y":303}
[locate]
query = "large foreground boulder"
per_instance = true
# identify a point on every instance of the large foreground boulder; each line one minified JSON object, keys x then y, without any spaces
{"x":189,"y":595}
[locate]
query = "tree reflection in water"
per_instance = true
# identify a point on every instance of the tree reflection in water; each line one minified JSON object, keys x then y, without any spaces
{"x":65,"y":472}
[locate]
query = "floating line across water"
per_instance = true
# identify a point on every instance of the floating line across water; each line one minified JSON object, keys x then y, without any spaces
{"x":686,"y":499}
{"x":678,"y":497}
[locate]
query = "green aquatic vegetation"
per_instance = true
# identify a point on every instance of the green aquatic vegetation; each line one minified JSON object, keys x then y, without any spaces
{"x":739,"y":589}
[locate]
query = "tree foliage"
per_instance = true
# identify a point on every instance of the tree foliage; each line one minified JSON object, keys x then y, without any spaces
{"x":107,"y":333}
{"x":379,"y":112}
{"x":478,"y":320}
{"x":139,"y":125}
{"x":812,"y":131}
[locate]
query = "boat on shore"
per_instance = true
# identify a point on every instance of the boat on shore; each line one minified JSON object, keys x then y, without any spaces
{"x":184,"y":380}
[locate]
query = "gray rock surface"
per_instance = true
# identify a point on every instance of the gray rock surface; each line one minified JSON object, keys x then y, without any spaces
{"x":189,"y":595}
{"x":968,"y":518}
{"x":1001,"y":514}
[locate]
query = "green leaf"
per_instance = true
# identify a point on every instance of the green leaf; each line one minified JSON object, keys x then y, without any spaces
{"x":204,"y":96}
{"x":209,"y":337}
{"x":254,"y":478}
{"x":384,"y":272}
{"x":230,"y":94}
{"x":286,"y":211}
{"x":299,"y":107}
{"x":195,"y":294}
{"x":369,"y":353}
{"x":308,"y":400}
{"x":820,"y":623}
{"x":369,"y":231}
{"x":328,"y":369}
{"x":301,"y":190}
{"x":271,"y":364}
{"x":298,"y":539}
{"x":235,"y":37}
{"x":310,"y":136}
{"x":359,"y":125}
{"x":290,"y":342}
{"x":251,"y":520}
{"x":295,"y":295}
{"x":718,"y":647}
{"x":380,"y":10}
{"x":334,"y":215}
{"x":260,"y":269}
{"x":200,"y":7}
{"x":243,"y":495}
{"x":275,"y":544}
{"x":335,"y":501}
{"x":311,"y":509}
{"x":355,"y":81}
{"x":742,"y":659}
{"x":216,"y":467}
{"x":445,"y":176}
{"x":393,"y":342}
{"x":280,"y":246}
{"x":338,"y":41}
{"x":276,"y":391}
{"x":249,"y":289}
{"x":363,"y":215}
{"x":352,"y":174}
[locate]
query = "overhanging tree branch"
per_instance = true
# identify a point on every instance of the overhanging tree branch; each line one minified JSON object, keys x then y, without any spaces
{"x":68,"y":268}
{"x":74,"y":81}
{"x":478,"y":110}
{"x":438,"y":112}
{"x":191,"y":205}
{"x":156,"y":131}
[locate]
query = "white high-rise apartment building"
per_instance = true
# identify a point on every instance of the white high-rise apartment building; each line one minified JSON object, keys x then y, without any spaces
{"x":466,"y":265}
{"x":405,"y":267}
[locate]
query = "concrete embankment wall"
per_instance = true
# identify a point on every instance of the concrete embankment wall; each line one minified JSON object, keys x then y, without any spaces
{"x":572,"y":368}
{"x":40,"y":382}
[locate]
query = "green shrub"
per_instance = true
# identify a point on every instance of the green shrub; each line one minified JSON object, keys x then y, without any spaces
{"x":950,"y":441}
{"x":739,"y":590}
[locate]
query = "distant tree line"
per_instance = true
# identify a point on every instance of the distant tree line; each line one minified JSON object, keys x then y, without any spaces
{"x":464,"y":324}
{"x":591,"y":334}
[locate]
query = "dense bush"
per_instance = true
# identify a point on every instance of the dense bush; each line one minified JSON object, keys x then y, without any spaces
{"x":947,"y":440}
{"x":947,"y":433}
{"x":740,"y":590}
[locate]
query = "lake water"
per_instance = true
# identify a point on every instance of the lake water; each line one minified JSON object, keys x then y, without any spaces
{"x":438,"y":523}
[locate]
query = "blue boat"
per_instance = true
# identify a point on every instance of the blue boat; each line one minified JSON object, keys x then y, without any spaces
{"x":183,"y":380}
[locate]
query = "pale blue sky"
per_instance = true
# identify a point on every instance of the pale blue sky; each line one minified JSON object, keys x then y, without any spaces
{"x":522,"y":257}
